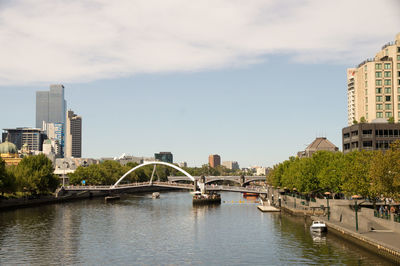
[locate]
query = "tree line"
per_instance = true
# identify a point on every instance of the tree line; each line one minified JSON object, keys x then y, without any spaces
{"x":32,"y":176}
{"x":369,"y":174}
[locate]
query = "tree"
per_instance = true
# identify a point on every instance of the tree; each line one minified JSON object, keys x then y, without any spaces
{"x":355,"y":122}
{"x":35,"y":174}
{"x":363,"y":120}
{"x":355,"y":174}
{"x":391,"y":120}
{"x":7,"y":179}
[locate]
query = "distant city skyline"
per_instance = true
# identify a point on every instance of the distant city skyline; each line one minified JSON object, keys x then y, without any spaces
{"x":252,"y":82}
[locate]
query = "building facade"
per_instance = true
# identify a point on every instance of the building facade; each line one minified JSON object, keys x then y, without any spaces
{"x":73,"y":137}
{"x":166,"y":157}
{"x":32,"y":137}
{"x":55,"y":133}
{"x":214,"y":160}
{"x":370,"y":136}
{"x":50,"y":106}
{"x":232,"y":165}
{"x":373,"y":87}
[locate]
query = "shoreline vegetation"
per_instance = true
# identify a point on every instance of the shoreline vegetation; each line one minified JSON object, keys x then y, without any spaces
{"x":372,"y":175}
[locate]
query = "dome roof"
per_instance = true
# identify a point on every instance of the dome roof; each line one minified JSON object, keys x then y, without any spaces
{"x":8,"y":147}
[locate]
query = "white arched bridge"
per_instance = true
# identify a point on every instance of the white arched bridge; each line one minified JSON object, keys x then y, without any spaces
{"x":120,"y":187}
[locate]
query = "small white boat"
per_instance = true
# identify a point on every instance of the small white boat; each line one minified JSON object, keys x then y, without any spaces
{"x":155,"y":195}
{"x":318,"y":227}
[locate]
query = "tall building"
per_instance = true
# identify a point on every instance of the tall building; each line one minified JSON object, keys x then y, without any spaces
{"x":166,"y":157}
{"x":373,"y":87}
{"x":32,"y":137}
{"x":214,"y":160}
{"x":50,"y":106}
{"x":55,"y":133}
{"x":73,"y":137}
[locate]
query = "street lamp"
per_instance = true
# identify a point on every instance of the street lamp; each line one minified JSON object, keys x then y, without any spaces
{"x":356,"y":209}
{"x":327,"y":194}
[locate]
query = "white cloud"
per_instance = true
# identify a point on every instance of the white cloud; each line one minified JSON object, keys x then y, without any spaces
{"x":45,"y":41}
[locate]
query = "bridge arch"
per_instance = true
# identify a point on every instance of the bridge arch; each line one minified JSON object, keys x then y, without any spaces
{"x":154,"y":163}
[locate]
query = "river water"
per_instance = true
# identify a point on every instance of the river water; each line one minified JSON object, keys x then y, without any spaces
{"x":139,"y":230}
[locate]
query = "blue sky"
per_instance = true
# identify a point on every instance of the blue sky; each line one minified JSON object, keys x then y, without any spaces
{"x":254,"y":83}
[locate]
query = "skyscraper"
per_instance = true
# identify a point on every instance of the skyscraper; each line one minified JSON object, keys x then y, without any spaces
{"x":373,"y":87}
{"x":73,"y":137}
{"x":50,"y":106}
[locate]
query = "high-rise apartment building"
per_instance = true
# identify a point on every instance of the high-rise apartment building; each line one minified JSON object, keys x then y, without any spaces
{"x":73,"y":137}
{"x":373,"y":89}
{"x":214,"y":160}
{"x":50,"y":106}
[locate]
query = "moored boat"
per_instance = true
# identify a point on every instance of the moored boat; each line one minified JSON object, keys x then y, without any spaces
{"x":207,"y":198}
{"x":318,"y":227}
{"x":155,"y":195}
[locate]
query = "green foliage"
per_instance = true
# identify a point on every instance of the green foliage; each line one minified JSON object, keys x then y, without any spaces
{"x":363,"y":120}
{"x":34,"y":174}
{"x":391,"y":120}
{"x":355,"y":122}
{"x":7,"y":179}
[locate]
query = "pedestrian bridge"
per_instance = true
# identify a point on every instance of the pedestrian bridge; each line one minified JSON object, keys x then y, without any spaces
{"x":119,"y":187}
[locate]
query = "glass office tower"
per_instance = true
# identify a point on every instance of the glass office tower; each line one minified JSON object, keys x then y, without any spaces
{"x":50,"y":106}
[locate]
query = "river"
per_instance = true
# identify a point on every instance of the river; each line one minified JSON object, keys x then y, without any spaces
{"x":139,"y":230}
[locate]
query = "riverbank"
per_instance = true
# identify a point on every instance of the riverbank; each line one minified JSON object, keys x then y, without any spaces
{"x":374,"y":234}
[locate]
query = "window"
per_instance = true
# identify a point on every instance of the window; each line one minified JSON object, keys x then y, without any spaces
{"x":388,"y":82}
{"x":378,"y":82}
{"x":387,"y":98}
{"x":366,"y":83}
{"x":388,"y":74}
{"x":379,"y":98}
{"x":379,"y":114}
{"x":379,"y":106}
{"x":378,"y":74}
{"x":388,"y":90}
{"x":398,"y":58}
{"x":366,"y":115}
{"x":365,"y":76}
{"x":379,"y":90}
{"x":367,"y":143}
{"x":388,"y":114}
{"x":398,"y":65}
{"x":398,"y":98}
{"x":398,"y":49}
{"x":366,"y":108}
{"x":398,"y":82}
{"x":366,"y":99}
{"x":398,"y":106}
{"x":365,"y":67}
{"x":387,"y":66}
{"x":398,"y":90}
{"x":366,"y":91}
{"x":378,"y":66}
{"x":398,"y":74}
{"x":388,"y":106}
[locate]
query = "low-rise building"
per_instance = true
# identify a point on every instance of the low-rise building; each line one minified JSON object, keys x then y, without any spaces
{"x":166,"y":157}
{"x":377,"y":135}
{"x":319,"y":144}
{"x":232,"y":165}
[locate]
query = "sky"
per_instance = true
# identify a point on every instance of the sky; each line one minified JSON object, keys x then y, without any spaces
{"x":253,"y":81}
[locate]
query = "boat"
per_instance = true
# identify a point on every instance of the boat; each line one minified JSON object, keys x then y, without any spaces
{"x":206,"y":198}
{"x":155,"y":195}
{"x":318,"y":227}
{"x":249,"y":194}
